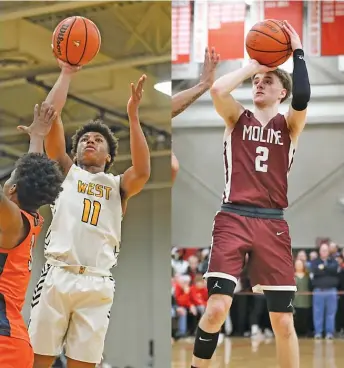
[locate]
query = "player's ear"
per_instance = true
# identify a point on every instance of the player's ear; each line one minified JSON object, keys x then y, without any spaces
{"x":108,"y":158}
{"x":283,"y":93}
{"x":13,"y":189}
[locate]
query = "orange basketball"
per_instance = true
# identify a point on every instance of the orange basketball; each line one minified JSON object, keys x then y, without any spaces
{"x":76,"y":40}
{"x":268,"y":43}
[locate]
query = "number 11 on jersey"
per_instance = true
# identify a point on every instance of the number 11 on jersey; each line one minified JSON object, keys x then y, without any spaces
{"x":89,"y":207}
{"x":263,"y":155}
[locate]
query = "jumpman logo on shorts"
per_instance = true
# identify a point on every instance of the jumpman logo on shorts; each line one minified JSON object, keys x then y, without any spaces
{"x":216,"y":285}
{"x":290,"y":304}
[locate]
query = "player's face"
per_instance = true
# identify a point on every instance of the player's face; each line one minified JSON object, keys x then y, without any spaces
{"x":93,"y":150}
{"x":267,"y":89}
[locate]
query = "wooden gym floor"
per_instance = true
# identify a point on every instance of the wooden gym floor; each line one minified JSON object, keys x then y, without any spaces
{"x":260,"y":353}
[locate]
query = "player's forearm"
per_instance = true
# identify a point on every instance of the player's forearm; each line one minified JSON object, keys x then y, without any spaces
{"x":58,"y":94}
{"x":36,"y":144}
{"x":182,"y":100}
{"x":229,"y":82}
{"x":140,"y":155}
{"x":301,"y":87}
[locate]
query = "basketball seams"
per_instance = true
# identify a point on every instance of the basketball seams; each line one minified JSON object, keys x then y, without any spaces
{"x":284,"y":56}
{"x":99,"y":38}
{"x":268,"y":51}
{"x":70,"y":30}
{"x":282,"y":29}
{"x":83,"y":53}
{"x":267,"y":35}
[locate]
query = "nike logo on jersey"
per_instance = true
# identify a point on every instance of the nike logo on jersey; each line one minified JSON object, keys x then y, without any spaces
{"x":282,"y":232}
{"x":97,"y":190}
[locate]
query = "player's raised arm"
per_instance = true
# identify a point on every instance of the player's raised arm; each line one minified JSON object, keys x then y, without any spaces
{"x":55,"y":144}
{"x":137,"y":175}
{"x":183,"y":99}
{"x":296,"y":115}
{"x":11,"y":221}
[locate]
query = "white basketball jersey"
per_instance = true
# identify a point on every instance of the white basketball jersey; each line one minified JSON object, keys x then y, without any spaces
{"x":86,"y":225}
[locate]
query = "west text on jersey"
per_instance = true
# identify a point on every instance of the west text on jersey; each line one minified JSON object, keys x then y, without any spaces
{"x":97,"y":190}
{"x":259,"y":134}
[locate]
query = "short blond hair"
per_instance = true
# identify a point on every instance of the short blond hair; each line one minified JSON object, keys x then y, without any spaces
{"x":285,"y":79}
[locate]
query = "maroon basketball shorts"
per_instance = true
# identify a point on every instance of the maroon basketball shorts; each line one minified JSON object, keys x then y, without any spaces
{"x":269,"y":246}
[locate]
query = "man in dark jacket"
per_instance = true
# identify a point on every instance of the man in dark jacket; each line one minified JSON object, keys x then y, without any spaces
{"x":325,"y":282}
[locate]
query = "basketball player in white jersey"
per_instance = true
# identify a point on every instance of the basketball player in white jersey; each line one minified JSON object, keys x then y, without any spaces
{"x":72,"y":300}
{"x":183,"y":99}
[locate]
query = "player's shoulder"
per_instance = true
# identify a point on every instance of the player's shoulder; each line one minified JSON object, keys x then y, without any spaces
{"x":34,"y":218}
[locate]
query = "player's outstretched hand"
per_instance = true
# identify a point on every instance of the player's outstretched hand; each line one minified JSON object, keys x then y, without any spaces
{"x":136,"y":96}
{"x":43,"y":118}
{"x":211,"y":59}
{"x":259,"y":68}
{"x":294,"y":37}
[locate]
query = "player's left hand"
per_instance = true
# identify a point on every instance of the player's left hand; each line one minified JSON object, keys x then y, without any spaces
{"x":136,"y":96}
{"x":43,"y":118}
{"x":294,"y":37}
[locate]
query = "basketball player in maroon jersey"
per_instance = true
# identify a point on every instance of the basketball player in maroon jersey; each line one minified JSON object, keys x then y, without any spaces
{"x":258,"y":153}
{"x":183,"y":99}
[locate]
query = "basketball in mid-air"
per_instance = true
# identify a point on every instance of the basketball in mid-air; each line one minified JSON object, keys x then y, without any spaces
{"x":76,"y":40}
{"x":268,"y":43}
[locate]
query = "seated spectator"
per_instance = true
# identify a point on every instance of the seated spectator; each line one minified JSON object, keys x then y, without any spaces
{"x":178,"y":312}
{"x":199,"y":294}
{"x":179,"y":265}
{"x":183,"y":298}
{"x":302,"y":303}
{"x":193,"y":267}
{"x":204,"y":261}
{"x":325,"y":282}
{"x":334,"y":250}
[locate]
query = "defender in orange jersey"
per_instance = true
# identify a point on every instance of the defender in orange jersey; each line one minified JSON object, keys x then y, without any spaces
{"x":36,"y":181}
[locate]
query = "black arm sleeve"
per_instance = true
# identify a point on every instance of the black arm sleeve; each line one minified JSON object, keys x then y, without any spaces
{"x":301,"y":88}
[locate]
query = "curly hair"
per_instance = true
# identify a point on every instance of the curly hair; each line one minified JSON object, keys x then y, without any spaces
{"x":38,"y":181}
{"x":97,"y":126}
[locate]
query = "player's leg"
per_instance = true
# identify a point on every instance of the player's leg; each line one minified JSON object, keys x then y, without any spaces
{"x":49,"y":315}
{"x":272,"y":269}
{"x":89,"y":321}
{"x":229,"y":245}
{"x":282,"y":323}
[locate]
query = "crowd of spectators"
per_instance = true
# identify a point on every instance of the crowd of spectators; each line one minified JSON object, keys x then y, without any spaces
{"x":318,"y":304}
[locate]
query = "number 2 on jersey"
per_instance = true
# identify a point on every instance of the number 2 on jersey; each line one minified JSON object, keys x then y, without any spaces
{"x":263,"y":155}
{"x":89,"y":207}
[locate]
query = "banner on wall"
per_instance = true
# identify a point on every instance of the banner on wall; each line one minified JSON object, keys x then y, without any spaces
{"x":221,"y":25}
{"x":292,"y":11}
{"x":181,"y":31}
{"x":332,"y":28}
{"x":314,"y":28}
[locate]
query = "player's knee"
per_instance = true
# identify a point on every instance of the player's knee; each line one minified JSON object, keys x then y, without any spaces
{"x":217,"y":309}
{"x":43,"y":361}
{"x":282,"y":324}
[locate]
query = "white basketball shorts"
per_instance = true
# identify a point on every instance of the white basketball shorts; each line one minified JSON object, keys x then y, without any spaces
{"x":72,"y":311}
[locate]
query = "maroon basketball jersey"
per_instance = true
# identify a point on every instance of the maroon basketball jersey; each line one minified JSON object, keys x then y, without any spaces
{"x":257,"y":161}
